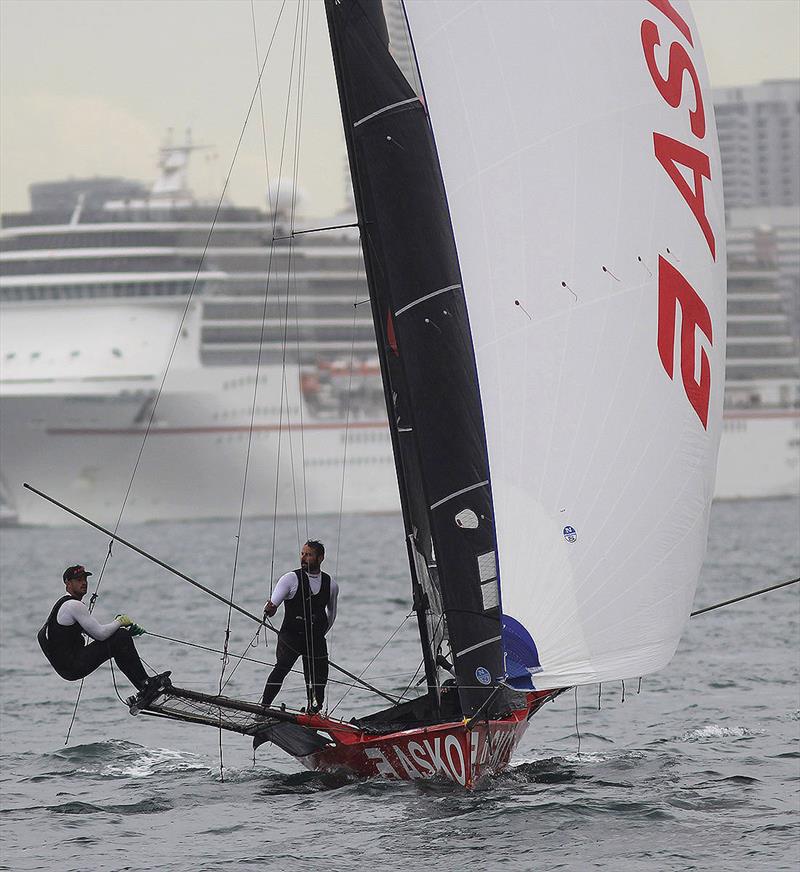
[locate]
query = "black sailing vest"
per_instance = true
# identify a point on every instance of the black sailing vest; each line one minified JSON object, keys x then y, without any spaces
{"x":59,"y":644}
{"x":307,"y":607}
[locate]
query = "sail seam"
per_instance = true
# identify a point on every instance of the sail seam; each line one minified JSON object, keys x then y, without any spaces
{"x":458,"y":493}
{"x":478,"y":645}
{"x":426,"y":297}
{"x":385,"y":109}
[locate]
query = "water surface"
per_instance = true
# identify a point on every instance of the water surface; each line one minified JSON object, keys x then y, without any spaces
{"x":699,"y":770}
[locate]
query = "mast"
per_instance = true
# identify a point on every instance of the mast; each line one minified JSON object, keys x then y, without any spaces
{"x":425,"y":345}
{"x":421,"y":600}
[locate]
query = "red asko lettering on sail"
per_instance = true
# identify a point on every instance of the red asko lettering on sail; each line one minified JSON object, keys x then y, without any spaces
{"x":673,"y":288}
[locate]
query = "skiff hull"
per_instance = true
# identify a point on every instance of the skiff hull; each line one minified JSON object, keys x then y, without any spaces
{"x":461,"y":752}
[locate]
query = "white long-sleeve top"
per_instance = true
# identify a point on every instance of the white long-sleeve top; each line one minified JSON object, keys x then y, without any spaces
{"x":287,"y":586}
{"x":73,"y":611}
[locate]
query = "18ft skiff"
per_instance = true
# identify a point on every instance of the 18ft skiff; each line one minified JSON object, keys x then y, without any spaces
{"x":539,"y":198}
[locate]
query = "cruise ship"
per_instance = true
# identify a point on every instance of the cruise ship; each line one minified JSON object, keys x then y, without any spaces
{"x":154,"y":367}
{"x":161,"y":358}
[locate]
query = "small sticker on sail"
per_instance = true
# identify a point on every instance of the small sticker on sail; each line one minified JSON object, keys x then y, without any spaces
{"x":483,"y":675}
{"x":570,"y":534}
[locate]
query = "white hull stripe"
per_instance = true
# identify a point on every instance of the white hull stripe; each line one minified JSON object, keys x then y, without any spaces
{"x":426,"y":297}
{"x":458,"y":493}
{"x":479,"y":645}
{"x":386,"y":109}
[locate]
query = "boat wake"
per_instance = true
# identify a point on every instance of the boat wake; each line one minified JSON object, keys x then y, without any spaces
{"x":119,"y":759}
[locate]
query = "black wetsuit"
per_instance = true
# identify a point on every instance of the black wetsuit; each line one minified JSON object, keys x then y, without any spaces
{"x":72,"y":659}
{"x":302,"y":634}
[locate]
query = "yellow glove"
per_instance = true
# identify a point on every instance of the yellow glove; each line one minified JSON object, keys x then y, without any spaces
{"x":134,"y":629}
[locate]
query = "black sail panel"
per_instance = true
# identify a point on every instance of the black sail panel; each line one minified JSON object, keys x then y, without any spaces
{"x":428,"y":361}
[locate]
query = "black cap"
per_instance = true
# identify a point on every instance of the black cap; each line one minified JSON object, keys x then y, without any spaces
{"x":76,"y":571}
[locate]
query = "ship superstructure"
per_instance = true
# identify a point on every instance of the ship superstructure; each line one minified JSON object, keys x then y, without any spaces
{"x":124,"y":314}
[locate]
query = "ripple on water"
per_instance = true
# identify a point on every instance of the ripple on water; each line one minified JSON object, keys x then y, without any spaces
{"x":297,"y":783}
{"x":712,"y":732}
{"x":119,"y":759}
{"x":151,"y":805}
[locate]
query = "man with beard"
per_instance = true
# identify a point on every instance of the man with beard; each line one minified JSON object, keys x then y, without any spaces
{"x":309,"y":598}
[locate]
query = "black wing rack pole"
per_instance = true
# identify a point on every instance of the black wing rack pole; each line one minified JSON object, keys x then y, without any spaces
{"x":197,"y":584}
{"x":744,"y":597}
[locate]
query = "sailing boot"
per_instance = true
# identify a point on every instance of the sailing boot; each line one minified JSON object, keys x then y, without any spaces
{"x":153,"y":687}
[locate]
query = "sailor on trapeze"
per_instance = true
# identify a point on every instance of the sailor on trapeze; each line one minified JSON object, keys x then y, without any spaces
{"x":309,"y":609}
{"x":61,"y":639}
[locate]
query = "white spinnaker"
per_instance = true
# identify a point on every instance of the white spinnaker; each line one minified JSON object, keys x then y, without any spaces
{"x":544,"y":115}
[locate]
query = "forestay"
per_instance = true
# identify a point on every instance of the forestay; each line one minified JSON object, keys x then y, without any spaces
{"x":579,"y":155}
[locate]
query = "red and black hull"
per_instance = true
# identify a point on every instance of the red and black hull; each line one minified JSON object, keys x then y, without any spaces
{"x":461,"y":751}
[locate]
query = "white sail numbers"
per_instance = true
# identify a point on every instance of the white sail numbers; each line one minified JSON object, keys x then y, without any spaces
{"x":673,"y":288}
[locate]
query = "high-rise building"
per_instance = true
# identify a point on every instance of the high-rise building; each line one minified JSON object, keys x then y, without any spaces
{"x":759,"y":140}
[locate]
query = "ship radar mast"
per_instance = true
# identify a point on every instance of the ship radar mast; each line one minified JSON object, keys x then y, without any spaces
{"x":171,"y":187}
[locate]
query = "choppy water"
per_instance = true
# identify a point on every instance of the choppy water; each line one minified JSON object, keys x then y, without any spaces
{"x":699,"y":771}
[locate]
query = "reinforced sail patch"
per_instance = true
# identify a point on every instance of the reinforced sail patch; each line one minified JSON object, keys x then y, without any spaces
{"x":487,"y":570}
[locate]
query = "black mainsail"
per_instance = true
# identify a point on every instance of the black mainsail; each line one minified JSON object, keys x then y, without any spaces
{"x":426,"y":351}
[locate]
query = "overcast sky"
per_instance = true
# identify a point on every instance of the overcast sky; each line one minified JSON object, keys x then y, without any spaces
{"x":89,"y":87}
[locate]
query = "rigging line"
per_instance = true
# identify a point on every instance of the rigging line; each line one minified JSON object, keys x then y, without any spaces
{"x":275,"y":213}
{"x":300,"y":406}
{"x":74,"y":712}
{"x":296,"y":45}
{"x":317,"y":230}
{"x":289,"y":267}
{"x":380,"y":651}
{"x":484,"y":705}
{"x":96,"y":594}
{"x":291,"y":444}
{"x":255,"y":385}
{"x":301,"y":72}
{"x":92,"y":601}
{"x":422,"y":662}
{"x":114,"y":682}
{"x":410,"y":683}
{"x":261,"y":98}
{"x":239,"y":661}
{"x":577,"y":727}
{"x":744,"y":597}
{"x":299,"y":31}
{"x":266,"y":293}
{"x":346,"y":440}
{"x":243,"y":657}
{"x":347,"y":418}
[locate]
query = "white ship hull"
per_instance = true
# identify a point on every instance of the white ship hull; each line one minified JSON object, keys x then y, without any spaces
{"x":80,"y":436}
{"x":192,"y":469}
{"x":196,"y":470}
{"x":759,"y":454}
